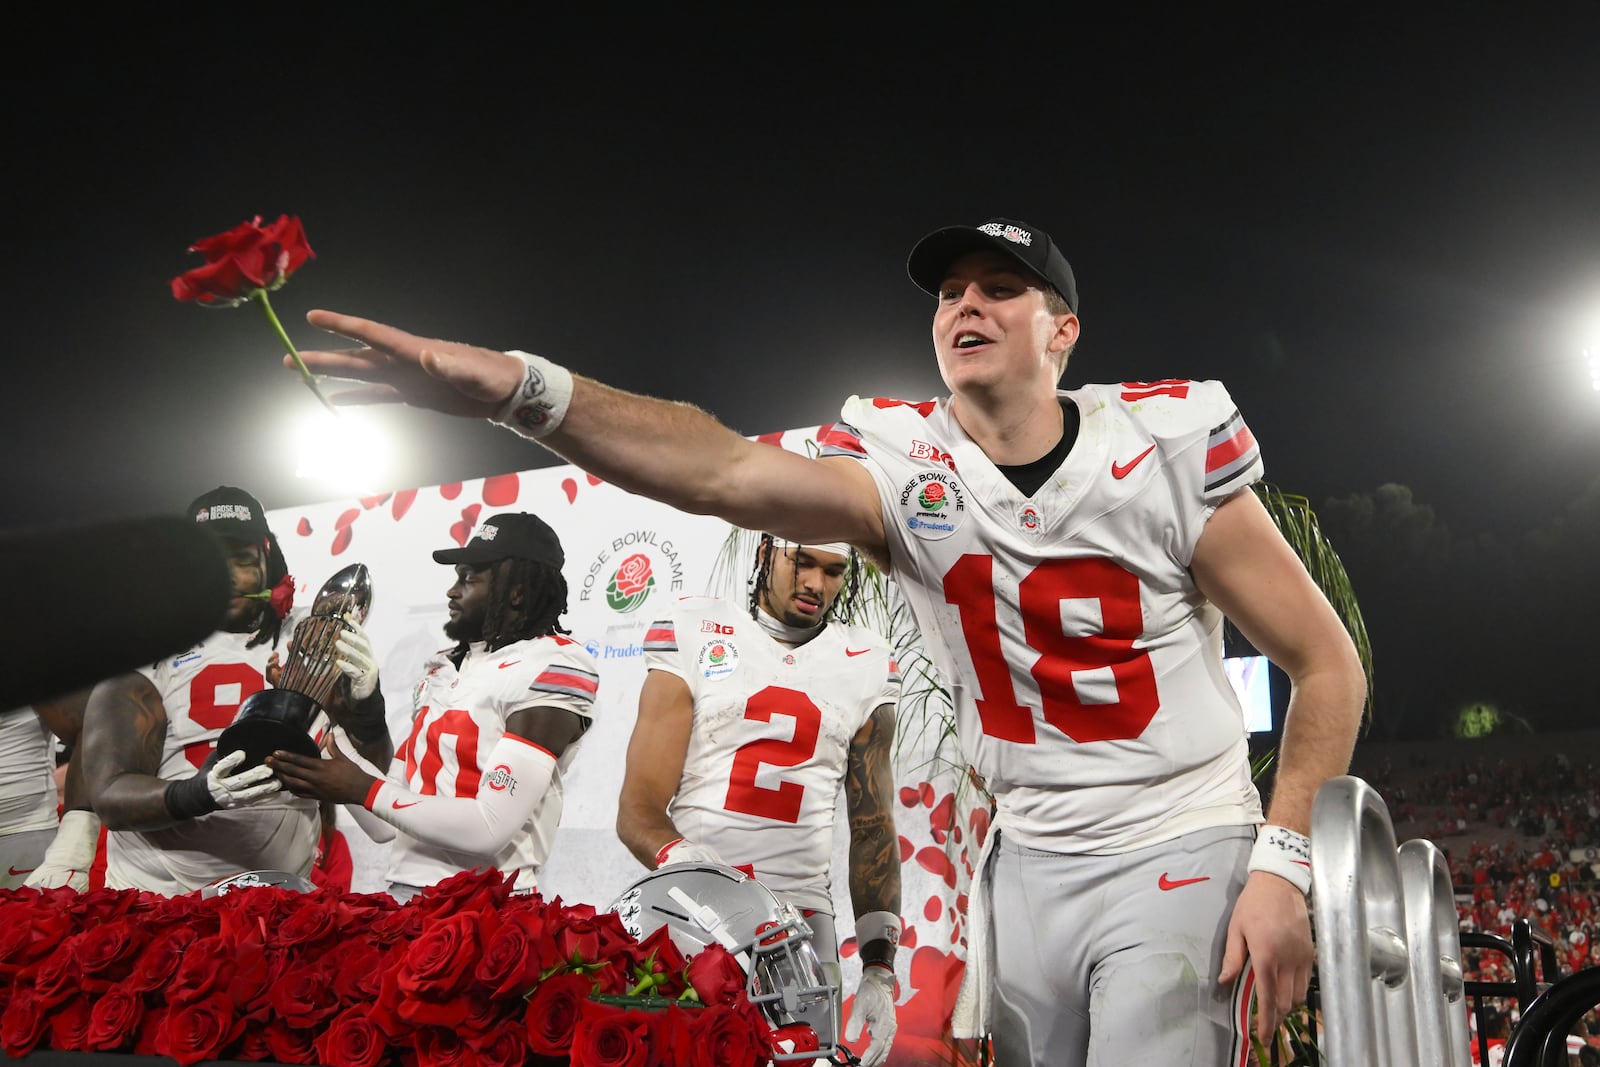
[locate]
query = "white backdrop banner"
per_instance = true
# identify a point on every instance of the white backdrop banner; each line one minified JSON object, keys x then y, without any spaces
{"x":627,"y":558}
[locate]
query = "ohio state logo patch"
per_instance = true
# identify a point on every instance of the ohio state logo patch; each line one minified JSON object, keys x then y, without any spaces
{"x":933,"y":505}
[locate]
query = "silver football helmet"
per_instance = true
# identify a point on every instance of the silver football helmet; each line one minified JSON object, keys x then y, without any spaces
{"x":257,"y":879}
{"x":705,"y":903}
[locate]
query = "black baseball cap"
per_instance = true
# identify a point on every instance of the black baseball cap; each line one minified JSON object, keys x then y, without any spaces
{"x":1022,"y":241}
{"x":229,"y":511}
{"x":513,"y":535}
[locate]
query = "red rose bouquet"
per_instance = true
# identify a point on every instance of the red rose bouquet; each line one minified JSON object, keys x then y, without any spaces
{"x":245,"y":264}
{"x":466,"y":972}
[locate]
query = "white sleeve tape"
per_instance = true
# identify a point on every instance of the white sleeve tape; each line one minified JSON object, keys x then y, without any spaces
{"x":878,"y":926}
{"x":538,"y":405}
{"x":1280,"y":851}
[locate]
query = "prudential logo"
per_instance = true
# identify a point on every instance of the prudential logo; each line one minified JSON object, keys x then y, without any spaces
{"x":630,"y":586}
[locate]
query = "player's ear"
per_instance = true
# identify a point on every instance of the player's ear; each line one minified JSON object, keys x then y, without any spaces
{"x":1066,"y":334}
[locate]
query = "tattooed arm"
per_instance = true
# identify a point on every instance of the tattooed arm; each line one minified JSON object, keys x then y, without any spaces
{"x":874,"y":846}
{"x":124,"y":729}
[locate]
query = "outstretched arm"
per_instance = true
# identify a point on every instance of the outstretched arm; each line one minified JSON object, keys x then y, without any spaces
{"x":63,"y":717}
{"x":483,"y":824}
{"x":670,"y":451}
{"x":1243,"y":565}
{"x":656,"y":753}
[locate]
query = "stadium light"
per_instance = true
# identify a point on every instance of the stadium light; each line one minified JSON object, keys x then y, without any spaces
{"x":349,"y":452}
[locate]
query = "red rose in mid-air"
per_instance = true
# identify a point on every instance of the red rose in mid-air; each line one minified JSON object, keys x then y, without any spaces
{"x":245,"y":264}
{"x":249,"y":256}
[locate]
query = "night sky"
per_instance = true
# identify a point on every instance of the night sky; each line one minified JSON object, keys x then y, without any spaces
{"x":1381,"y":232}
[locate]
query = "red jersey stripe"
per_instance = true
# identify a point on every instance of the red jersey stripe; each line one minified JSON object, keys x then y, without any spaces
{"x":1225,"y":452}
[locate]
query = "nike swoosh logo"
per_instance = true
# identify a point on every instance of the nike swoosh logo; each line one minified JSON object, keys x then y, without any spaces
{"x":14,"y":872}
{"x":1120,"y":471}
{"x":857,"y":651}
{"x":514,"y":662}
{"x":1166,"y":883}
{"x":408,"y":804}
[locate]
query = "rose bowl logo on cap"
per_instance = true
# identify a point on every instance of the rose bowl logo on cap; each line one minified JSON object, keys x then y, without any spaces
{"x":1015,"y":234}
{"x":486,"y":532}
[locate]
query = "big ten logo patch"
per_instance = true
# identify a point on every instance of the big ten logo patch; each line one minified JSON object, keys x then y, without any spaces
{"x":923,"y":450}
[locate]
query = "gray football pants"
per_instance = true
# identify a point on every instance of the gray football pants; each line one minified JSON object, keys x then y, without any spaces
{"x":1105,"y":961}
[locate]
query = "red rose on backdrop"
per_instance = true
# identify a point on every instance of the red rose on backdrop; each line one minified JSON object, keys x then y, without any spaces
{"x":249,"y":256}
{"x":633,"y":576}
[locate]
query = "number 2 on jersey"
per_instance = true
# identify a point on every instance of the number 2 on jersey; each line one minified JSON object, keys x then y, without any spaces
{"x":783,"y":803}
{"x":969,"y":585}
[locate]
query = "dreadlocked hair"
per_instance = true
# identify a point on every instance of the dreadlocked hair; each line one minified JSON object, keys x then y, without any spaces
{"x":277,"y":569}
{"x":844,"y":606}
{"x":544,"y":601}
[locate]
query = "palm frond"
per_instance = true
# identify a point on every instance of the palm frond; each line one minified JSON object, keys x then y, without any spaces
{"x":1298,"y":523}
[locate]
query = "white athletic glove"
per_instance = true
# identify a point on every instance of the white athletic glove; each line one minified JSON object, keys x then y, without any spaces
{"x":231,"y":790}
{"x":874,"y":1008}
{"x":358,"y":662}
{"x":70,"y":855}
{"x":685,"y":851}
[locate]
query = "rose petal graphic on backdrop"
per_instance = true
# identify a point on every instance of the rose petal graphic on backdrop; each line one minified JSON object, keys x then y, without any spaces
{"x":592,"y":479}
{"x":501,"y":490}
{"x":926,"y":788}
{"x":462,"y":531}
{"x":570,"y":487}
{"x":908,"y":937}
{"x":341,"y":540}
{"x":303,"y":527}
{"x":346,"y":519}
{"x":402,"y":503}
{"x":932,"y":909}
{"x":906,"y":848}
{"x":450,"y":490}
{"x":370,"y":502}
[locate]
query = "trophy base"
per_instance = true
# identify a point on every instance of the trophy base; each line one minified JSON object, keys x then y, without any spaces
{"x":270,"y":720}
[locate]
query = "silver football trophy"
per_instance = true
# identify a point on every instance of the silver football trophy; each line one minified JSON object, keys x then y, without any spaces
{"x":281,"y":718}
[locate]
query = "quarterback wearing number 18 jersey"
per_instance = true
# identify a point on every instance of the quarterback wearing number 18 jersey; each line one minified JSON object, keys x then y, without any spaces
{"x":1100,"y":718}
{"x":770,"y":738}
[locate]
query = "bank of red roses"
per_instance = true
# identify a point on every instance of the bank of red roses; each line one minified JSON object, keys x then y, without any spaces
{"x":465,"y":973}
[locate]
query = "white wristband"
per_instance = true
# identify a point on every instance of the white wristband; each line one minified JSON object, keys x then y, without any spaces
{"x":878,"y":926}
{"x":1280,"y":851}
{"x":540,"y":403}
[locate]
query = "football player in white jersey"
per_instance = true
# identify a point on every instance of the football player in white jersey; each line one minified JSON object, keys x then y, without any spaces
{"x":750,"y":724}
{"x":180,"y":814}
{"x":497,"y":721}
{"x":47,"y":837}
{"x":1068,"y":557}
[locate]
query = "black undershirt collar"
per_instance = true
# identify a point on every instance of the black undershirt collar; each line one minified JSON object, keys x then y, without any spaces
{"x":1028,"y":477}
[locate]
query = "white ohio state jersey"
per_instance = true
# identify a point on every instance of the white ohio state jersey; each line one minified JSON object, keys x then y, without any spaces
{"x":771,"y":737}
{"x":27,"y":773}
{"x":458,"y":716}
{"x":1085,"y":666}
{"x":201,"y":689}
